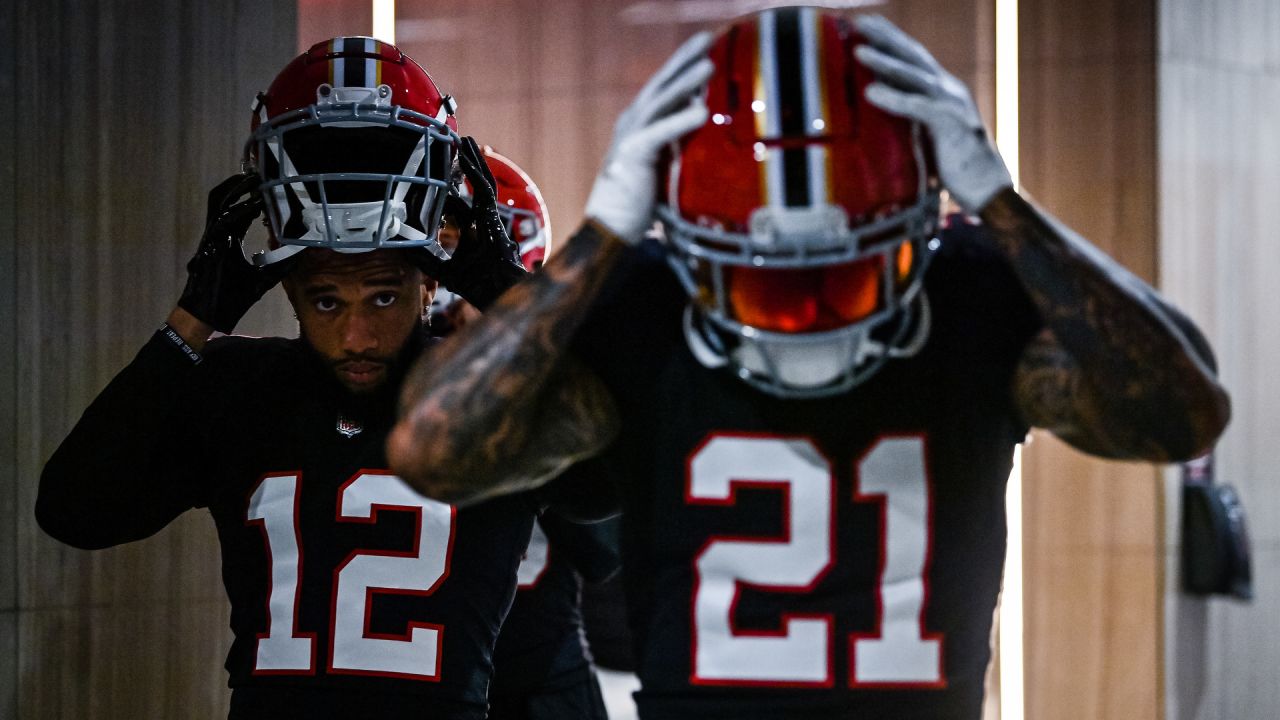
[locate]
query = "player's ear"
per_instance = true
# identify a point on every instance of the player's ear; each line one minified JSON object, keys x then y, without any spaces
{"x":429,"y":287}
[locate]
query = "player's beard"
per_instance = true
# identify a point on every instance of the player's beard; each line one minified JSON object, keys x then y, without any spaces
{"x":385,"y":392}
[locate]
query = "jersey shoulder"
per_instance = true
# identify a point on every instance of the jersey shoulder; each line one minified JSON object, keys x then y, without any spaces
{"x":971,"y":286}
{"x":636,"y":318}
{"x":241,"y":360}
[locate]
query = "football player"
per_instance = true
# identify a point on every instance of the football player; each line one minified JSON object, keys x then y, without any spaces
{"x":808,"y":395}
{"x":351,"y":595}
{"x":524,"y":216}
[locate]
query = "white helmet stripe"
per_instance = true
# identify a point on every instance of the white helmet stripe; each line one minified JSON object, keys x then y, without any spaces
{"x":370,"y":65}
{"x":767,"y":106}
{"x":339,"y":64}
{"x":814,"y":107}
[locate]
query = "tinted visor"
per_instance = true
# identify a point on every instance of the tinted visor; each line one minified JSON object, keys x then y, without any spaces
{"x":804,"y":300}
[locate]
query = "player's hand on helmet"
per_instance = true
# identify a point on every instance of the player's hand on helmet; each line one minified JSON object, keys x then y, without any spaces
{"x":669,"y":106}
{"x":486,"y":261}
{"x":221,"y":283}
{"x":911,"y":83}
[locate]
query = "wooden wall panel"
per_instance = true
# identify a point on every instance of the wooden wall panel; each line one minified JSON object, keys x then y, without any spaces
{"x":129,"y":111}
{"x":1219,"y":79}
{"x":8,"y":663}
{"x":8,"y":329}
{"x":8,"y":374}
{"x":1092,"y":529}
{"x":322,"y":19}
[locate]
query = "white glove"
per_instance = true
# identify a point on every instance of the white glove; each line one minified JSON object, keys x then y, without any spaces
{"x":910,"y":83}
{"x":669,"y":106}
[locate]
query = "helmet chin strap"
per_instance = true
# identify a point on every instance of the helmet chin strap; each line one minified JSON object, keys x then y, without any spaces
{"x":918,"y":338}
{"x":263,"y":259}
{"x":700,"y":345}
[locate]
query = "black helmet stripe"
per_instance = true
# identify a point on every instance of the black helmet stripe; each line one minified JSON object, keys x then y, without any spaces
{"x":795,"y":161}
{"x":790,"y":73}
{"x":354,"y":64}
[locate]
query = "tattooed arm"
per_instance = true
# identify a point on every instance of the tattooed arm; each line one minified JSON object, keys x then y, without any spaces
{"x":1116,"y":372}
{"x":502,"y":406}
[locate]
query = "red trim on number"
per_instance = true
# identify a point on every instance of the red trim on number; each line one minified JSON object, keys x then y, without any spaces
{"x":785,"y":537}
{"x":297,"y":590}
{"x":883,"y":537}
{"x":407,"y":636}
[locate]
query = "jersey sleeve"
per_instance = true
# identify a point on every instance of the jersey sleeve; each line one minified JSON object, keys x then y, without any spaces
{"x":979,"y":302}
{"x":130,"y":464}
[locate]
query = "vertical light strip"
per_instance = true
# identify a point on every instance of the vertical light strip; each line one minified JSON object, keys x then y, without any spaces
{"x":1007,"y":85}
{"x":384,"y":20}
{"x":1012,"y":698}
{"x":1012,"y":680}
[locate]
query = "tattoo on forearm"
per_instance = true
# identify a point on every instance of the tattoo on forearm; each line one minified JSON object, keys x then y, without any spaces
{"x":501,"y":406}
{"x":1112,"y":373}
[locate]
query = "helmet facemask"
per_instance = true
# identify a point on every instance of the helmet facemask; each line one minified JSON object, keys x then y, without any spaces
{"x":353,"y":173}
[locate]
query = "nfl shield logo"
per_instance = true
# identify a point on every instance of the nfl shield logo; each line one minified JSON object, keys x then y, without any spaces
{"x":349,"y":428}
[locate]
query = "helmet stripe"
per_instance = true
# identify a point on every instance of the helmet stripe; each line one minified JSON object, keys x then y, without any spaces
{"x":791,"y":94}
{"x":814,"y":104}
{"x":370,"y":65}
{"x":335,"y":65}
{"x":767,"y":106}
{"x":757,"y":92}
{"x":353,"y":70}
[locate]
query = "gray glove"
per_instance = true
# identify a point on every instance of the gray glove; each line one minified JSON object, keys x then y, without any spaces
{"x":669,"y":106}
{"x":910,"y":83}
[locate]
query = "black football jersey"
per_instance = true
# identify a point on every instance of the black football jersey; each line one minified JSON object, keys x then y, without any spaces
{"x":542,"y":644}
{"x":351,"y":594}
{"x":836,"y":557}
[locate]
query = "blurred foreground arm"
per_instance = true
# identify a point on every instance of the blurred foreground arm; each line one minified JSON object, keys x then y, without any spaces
{"x":502,"y":406}
{"x":1117,"y":371}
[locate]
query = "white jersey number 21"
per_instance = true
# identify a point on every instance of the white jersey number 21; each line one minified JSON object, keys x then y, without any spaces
{"x":801,"y":651}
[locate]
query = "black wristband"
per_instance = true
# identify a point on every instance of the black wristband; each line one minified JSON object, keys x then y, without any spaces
{"x":172,"y":336}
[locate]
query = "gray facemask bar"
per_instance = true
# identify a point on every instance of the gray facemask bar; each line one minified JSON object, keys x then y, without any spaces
{"x":436,"y":136}
{"x":707,"y":333}
{"x":716,"y":248}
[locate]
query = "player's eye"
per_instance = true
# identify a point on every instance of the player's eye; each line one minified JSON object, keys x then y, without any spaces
{"x":326,"y":304}
{"x":386,"y":299}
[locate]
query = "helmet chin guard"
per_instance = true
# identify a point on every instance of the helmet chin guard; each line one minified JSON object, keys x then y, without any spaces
{"x":355,"y":147}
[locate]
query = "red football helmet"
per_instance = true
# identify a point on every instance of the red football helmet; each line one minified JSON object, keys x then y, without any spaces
{"x":521,"y":207}
{"x":800,"y":216}
{"x":355,"y":145}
